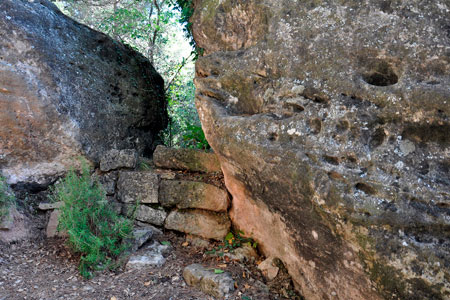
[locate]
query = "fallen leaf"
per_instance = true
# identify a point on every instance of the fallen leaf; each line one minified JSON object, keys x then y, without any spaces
{"x":222,"y":266}
{"x":147,"y":283}
{"x":246,"y":286}
{"x":185,"y":244}
{"x":113,"y":298}
{"x":243,"y":275}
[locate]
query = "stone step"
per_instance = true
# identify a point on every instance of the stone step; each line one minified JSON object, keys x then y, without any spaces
{"x":203,"y":223}
{"x":186,"y":159}
{"x":192,"y":194}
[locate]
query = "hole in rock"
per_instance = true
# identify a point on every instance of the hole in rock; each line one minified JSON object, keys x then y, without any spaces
{"x":273,"y":136}
{"x":369,"y":190}
{"x":381,"y":73}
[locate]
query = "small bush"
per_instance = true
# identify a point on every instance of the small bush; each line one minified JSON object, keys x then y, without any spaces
{"x":6,"y":198}
{"x":94,"y":229}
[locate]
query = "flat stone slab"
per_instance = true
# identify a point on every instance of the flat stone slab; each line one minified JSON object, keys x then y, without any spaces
{"x":135,"y":186}
{"x":206,"y":224}
{"x":192,"y":194}
{"x":49,"y":206}
{"x":153,"y":257}
{"x":147,"y":260}
{"x":216,"y":285}
{"x":52,"y":225}
{"x":186,"y":159}
{"x":116,"y":159}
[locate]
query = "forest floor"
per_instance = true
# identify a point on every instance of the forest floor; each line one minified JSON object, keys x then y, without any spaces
{"x":46,"y":269}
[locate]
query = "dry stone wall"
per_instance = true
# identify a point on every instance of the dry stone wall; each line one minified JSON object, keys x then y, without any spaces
{"x":331,"y":123}
{"x":185,"y":201}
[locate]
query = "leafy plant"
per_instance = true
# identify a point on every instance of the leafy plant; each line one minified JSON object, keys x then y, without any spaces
{"x":6,"y":198}
{"x":233,"y":241}
{"x":94,"y":229}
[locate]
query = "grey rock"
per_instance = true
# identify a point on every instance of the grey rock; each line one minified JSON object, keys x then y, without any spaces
{"x":16,"y":227}
{"x":153,"y":256}
{"x":115,"y":204}
{"x":242,"y":254}
{"x":157,"y":247}
{"x":139,"y":237}
{"x":197,"y":241}
{"x":80,"y":93}
{"x":206,"y":224}
{"x":151,"y":215}
{"x":147,"y":214}
{"x":138,"y":186}
{"x":216,"y":285}
{"x":108,"y":181}
{"x":117,"y":159}
{"x":52,"y":225}
{"x":156,"y":231}
{"x":192,"y":194}
{"x":185,"y":159}
{"x":146,"y":260}
{"x":49,"y":206}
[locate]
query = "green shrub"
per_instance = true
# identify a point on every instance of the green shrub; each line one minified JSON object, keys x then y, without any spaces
{"x":6,"y":198}
{"x":94,"y":229}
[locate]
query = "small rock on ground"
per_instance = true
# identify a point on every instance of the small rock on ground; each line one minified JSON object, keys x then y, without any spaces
{"x":217,"y":285}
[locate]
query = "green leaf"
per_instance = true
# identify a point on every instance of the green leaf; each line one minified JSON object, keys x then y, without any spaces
{"x":218,"y":271}
{"x":229,"y":236}
{"x":167,"y":243}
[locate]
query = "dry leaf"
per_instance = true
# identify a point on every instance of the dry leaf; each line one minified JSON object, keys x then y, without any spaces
{"x":185,"y":244}
{"x":243,"y":275}
{"x":222,"y":266}
{"x":113,"y":298}
{"x":147,"y":283}
{"x":246,"y":286}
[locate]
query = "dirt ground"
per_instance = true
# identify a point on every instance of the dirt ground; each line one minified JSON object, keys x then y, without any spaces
{"x":45,"y":269}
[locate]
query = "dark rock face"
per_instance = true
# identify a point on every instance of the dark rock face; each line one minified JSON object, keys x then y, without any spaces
{"x":332,"y":129}
{"x":67,"y":91}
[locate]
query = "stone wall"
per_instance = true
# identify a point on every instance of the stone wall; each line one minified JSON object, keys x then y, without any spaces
{"x":331,"y":123}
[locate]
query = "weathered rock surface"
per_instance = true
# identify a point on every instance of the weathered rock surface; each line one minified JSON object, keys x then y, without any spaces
{"x":115,"y":159}
{"x":139,"y":237}
{"x":144,"y":261}
{"x":192,"y":194}
{"x":141,"y":187}
{"x":68,"y":91}
{"x":185,"y":159}
{"x":206,"y":224}
{"x":242,"y":254}
{"x":51,"y":205}
{"x":150,"y":215}
{"x":217,"y":285}
{"x":331,"y":121}
{"x":269,"y":268}
{"x":52,"y":225}
{"x":14,"y":227}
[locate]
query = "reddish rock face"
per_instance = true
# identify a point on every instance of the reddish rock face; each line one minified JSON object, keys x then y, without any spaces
{"x":68,"y":91}
{"x":330,"y":121}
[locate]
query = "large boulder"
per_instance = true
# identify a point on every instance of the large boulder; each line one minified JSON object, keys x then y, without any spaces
{"x":68,"y":91}
{"x":331,"y":123}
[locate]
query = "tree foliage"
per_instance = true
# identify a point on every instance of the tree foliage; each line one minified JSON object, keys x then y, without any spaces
{"x":154,"y":28}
